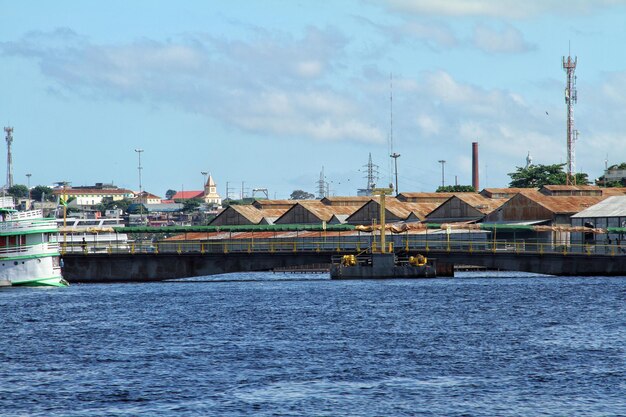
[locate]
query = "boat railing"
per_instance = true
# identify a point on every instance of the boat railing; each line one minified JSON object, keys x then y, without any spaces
{"x":28,"y":224}
{"x":363,"y":244}
{"x":47,"y":248}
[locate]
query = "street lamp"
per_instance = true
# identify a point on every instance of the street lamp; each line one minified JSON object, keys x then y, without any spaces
{"x":443,"y":170}
{"x":204,"y":174}
{"x":139,"y":151}
{"x":395,"y":157}
{"x":28,"y":182}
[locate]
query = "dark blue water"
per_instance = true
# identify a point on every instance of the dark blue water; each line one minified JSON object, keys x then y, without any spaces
{"x":469,"y":346}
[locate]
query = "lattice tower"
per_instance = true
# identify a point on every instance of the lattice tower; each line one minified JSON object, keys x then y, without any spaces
{"x":321,"y":185}
{"x":571,"y":97}
{"x":372,"y":174}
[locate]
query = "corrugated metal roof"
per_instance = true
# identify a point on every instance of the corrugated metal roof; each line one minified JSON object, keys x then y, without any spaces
{"x":421,"y":210}
{"x":614,"y":206}
{"x":426,"y":195}
{"x":251,"y":213}
{"x":490,"y":192}
{"x":261,"y":204}
{"x":571,"y":187}
{"x":359,"y":200}
{"x":613,"y":191}
{"x":166,"y":208}
{"x":481,"y":203}
{"x":254,"y":215}
{"x":325,"y":212}
{"x":563,"y":204}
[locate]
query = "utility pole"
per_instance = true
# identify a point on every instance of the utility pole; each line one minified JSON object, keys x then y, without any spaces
{"x":139,"y":151}
{"x":28,"y":185}
{"x":443,"y":170}
{"x":228,"y":192}
{"x":606,"y":168}
{"x":9,"y":139}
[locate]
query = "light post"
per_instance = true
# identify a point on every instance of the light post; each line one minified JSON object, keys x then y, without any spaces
{"x":139,"y":151}
{"x":28,"y":185}
{"x":443,"y":170}
{"x":204,"y":174}
{"x":395,"y":157}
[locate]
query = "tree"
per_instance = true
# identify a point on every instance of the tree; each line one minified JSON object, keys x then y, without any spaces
{"x":110,"y":204}
{"x":18,"y":191}
{"x":456,"y":189}
{"x":191,"y":204}
{"x":42,"y":191}
{"x":169,"y":194}
{"x":536,"y":176}
{"x":301,"y":195}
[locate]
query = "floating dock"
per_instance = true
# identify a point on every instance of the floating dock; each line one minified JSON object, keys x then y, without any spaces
{"x":381,"y":266}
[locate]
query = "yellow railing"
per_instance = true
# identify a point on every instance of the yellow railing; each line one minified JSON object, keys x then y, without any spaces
{"x":346,"y":245}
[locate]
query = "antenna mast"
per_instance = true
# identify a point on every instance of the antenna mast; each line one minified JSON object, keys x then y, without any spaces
{"x":571,"y":97}
{"x":9,"y":138}
{"x":393,"y":155}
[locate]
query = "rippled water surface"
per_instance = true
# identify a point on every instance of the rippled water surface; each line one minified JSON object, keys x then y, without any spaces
{"x":302,"y":345}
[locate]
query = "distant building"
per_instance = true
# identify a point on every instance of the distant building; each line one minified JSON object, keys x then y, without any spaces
{"x":92,"y":195}
{"x":209,"y":195}
{"x":147,"y":198}
{"x":614,"y":174}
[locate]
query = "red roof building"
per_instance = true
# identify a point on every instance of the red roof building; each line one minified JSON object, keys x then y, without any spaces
{"x":188,"y":195}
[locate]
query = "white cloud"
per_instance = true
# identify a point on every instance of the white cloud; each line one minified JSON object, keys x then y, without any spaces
{"x":436,"y":34}
{"x":428,"y":124}
{"x":500,"y":8}
{"x":273,"y":84}
{"x":507,"y":40}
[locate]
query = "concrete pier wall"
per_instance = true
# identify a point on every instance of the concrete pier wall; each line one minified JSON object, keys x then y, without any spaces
{"x":157,"y":267}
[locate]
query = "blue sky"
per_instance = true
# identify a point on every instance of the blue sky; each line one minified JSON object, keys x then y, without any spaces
{"x":268,"y":92}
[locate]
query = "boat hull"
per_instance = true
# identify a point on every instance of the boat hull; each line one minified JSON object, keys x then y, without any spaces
{"x":32,"y":272}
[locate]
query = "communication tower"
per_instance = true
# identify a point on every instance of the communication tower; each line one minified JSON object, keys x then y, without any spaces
{"x":569,"y":65}
{"x":9,"y":138}
{"x":393,"y":154}
{"x":322,"y":189}
{"x":371,"y":177}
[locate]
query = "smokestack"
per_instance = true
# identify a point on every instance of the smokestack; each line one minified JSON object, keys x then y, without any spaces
{"x":475,"y":166}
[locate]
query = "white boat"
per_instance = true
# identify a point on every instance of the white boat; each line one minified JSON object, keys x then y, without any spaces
{"x":28,"y":257}
{"x":76,"y":234}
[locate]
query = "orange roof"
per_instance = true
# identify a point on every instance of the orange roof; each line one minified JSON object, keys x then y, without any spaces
{"x":275,"y":202}
{"x":614,"y":191}
{"x":481,"y":203}
{"x":325,"y":212}
{"x":358,"y":200}
{"x":421,"y":210}
{"x":570,"y":187}
{"x":508,"y":191}
{"x":564,"y":204}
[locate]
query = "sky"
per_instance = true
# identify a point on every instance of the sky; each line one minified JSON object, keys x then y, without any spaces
{"x":267,"y":94}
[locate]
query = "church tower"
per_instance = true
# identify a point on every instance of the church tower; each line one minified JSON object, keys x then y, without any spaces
{"x":210,"y":192}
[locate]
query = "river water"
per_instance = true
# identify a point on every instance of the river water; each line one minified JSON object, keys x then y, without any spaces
{"x":481,"y":344}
